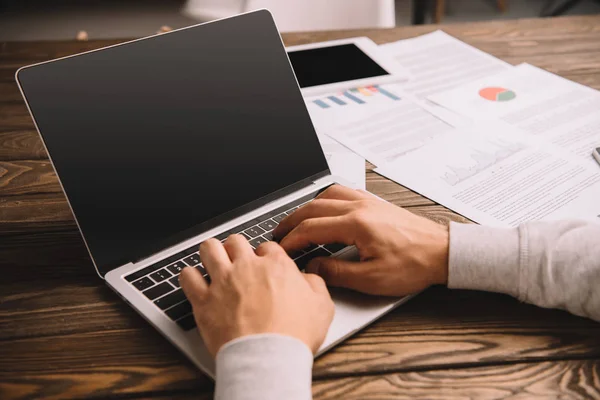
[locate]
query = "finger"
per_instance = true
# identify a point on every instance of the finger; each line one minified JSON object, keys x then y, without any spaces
{"x":237,"y":247}
{"x":314,"y":209}
{"x":324,"y":230}
{"x":268,"y":248}
{"x":194,"y":286}
{"x":214,"y":258}
{"x":342,"y":273}
{"x":340,"y":192}
{"x":316,"y":283}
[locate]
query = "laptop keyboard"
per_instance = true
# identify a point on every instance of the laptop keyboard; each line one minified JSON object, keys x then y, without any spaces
{"x":160,"y":282}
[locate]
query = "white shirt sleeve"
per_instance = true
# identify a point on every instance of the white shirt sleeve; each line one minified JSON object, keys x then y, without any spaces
{"x":549,"y":264}
{"x":265,"y":367}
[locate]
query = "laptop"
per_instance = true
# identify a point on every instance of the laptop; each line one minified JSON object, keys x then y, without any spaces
{"x":164,"y":142}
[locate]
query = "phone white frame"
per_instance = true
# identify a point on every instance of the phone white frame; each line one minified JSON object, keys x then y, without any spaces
{"x":396,"y":72}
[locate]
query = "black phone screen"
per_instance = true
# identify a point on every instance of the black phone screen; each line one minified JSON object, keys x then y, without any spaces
{"x":333,"y":64}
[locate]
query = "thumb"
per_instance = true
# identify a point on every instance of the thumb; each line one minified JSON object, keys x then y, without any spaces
{"x":341,"y":273}
{"x":193,"y":284}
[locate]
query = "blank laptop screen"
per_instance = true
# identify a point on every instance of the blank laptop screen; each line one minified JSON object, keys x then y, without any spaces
{"x":165,"y":135}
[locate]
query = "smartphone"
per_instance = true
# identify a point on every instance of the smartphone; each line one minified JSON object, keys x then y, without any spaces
{"x":596,"y":154}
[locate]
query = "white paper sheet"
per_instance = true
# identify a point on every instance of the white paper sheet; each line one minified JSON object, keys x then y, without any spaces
{"x":388,"y":132}
{"x":330,"y":110}
{"x":494,"y":175}
{"x":343,"y":162}
{"x":438,"y":62}
{"x":542,"y":104}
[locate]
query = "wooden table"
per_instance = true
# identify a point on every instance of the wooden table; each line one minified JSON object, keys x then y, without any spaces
{"x":64,"y":334}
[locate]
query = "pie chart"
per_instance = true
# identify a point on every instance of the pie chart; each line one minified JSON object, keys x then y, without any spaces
{"x":497,"y":94}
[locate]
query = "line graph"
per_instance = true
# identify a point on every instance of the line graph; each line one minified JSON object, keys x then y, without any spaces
{"x":479,"y":160}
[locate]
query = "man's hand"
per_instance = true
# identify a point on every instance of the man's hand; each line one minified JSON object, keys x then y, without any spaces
{"x":255,"y":292}
{"x":400,"y":253}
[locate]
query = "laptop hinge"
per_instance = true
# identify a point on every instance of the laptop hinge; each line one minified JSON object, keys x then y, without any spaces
{"x":297,"y":187}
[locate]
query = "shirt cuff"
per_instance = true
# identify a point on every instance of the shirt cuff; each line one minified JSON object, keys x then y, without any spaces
{"x":484,"y":258}
{"x":265,"y":366}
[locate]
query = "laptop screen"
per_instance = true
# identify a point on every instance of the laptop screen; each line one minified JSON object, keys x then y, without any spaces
{"x":160,"y":139}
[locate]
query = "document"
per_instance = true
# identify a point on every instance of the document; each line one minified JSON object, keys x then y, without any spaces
{"x":540,"y":103}
{"x":330,"y":110}
{"x":343,"y":162}
{"x":494,"y":174}
{"x":378,"y":122}
{"x":389,"y":132}
{"x":438,"y":62}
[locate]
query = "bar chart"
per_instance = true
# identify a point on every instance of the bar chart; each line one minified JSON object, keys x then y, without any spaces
{"x":357,"y":96}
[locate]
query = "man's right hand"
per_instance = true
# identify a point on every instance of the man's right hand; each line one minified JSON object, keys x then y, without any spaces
{"x":400,"y":252}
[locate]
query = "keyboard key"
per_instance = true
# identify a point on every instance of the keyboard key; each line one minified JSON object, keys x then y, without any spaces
{"x":143,"y":284}
{"x":175,"y":281}
{"x":224,"y":235}
{"x":169,"y":260}
{"x":245,"y":236}
{"x":303,"y":261}
{"x":160,"y":275}
{"x":145,"y":271}
{"x":170,"y":300}
{"x":192,"y":260}
{"x":158,"y":291}
{"x":187,"y":323}
{"x":335,"y":247}
{"x":203,"y":272}
{"x":176,"y":268}
{"x":295,"y":254}
{"x":258,"y":241}
{"x":268,"y":225}
{"x":310,"y":248}
{"x":254,"y":231}
{"x":180,"y":310}
{"x":279,"y":217}
{"x":268,"y":236}
{"x":201,"y":269}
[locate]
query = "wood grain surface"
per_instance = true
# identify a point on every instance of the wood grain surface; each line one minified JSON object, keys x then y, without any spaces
{"x":64,"y":334}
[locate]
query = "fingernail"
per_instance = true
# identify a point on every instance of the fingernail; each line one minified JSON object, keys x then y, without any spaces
{"x":313,"y":267}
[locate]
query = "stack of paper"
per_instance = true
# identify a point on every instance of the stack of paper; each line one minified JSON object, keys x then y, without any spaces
{"x":499,"y":144}
{"x":496,"y":175}
{"x":542,"y":104}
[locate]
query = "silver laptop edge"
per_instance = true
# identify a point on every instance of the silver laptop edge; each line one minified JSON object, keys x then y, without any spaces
{"x":354,"y":311}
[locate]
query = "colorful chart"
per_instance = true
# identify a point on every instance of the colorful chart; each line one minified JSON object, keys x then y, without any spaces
{"x":497,"y":94}
{"x":361,"y":95}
